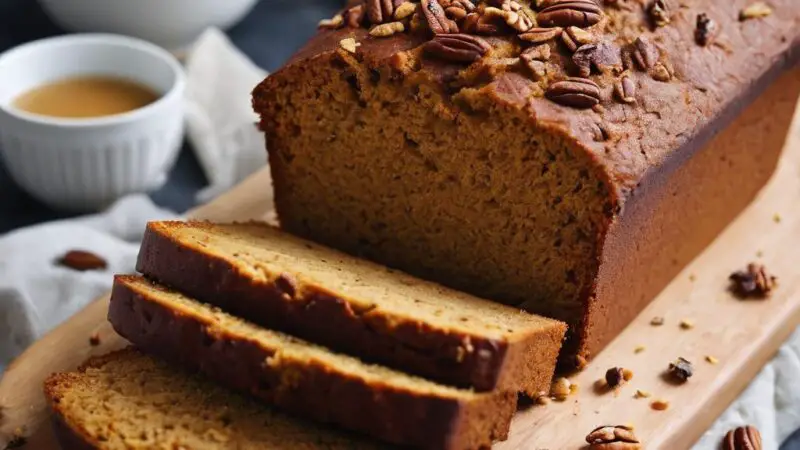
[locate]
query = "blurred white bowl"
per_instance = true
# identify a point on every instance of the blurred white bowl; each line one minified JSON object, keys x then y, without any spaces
{"x":172,"y":24}
{"x":87,"y":163}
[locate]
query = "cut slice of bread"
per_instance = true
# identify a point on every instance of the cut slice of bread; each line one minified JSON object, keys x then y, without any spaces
{"x":282,"y":282}
{"x":129,"y":401}
{"x":305,"y":378}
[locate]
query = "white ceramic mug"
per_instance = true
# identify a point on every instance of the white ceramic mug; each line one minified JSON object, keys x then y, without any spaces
{"x":86,"y":163}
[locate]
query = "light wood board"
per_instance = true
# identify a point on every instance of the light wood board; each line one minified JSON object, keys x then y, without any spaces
{"x":743,"y":335}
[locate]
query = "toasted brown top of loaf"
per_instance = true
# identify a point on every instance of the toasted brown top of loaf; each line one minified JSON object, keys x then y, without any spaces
{"x":126,"y":400}
{"x":289,"y":348}
{"x":630,"y":81}
{"x":264,"y":253}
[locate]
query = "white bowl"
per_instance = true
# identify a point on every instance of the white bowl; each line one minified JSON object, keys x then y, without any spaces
{"x":173,"y":24}
{"x":87,"y":163}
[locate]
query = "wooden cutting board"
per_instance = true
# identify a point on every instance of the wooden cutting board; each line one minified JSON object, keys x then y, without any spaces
{"x":742,"y":335}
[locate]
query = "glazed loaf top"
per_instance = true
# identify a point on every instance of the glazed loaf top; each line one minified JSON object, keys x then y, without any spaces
{"x":635,"y":83}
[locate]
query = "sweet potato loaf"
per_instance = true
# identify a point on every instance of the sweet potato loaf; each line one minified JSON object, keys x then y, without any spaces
{"x":561,"y":155}
{"x":304,"y":378}
{"x":126,"y":400}
{"x":261,"y":274}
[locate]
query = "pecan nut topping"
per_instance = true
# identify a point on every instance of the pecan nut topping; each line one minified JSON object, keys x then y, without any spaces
{"x":753,"y":283}
{"x":476,"y":23}
{"x":534,"y":59}
{"x":379,"y":11}
{"x":742,"y":438}
{"x":82,"y":261}
{"x":541,"y":35}
{"x":604,"y":57}
{"x":579,"y":93}
{"x":354,"y":17}
{"x":645,"y":53}
{"x":608,"y":437}
{"x":437,"y":19}
{"x":579,"y":13}
{"x":457,"y":47}
{"x":625,"y":89}
{"x":705,"y":30}
{"x":659,"y":13}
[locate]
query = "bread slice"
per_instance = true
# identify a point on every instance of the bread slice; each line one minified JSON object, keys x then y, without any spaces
{"x":127,"y":400}
{"x":304,"y":378}
{"x":282,"y":282}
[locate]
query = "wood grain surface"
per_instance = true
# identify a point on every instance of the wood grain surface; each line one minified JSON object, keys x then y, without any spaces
{"x":742,"y":335}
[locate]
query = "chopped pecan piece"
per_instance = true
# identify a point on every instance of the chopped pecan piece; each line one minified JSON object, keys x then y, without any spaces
{"x":659,"y":13}
{"x":437,"y":19}
{"x":705,"y":30}
{"x":82,"y":261}
{"x":579,"y":13}
{"x":755,"y":11}
{"x":742,"y":438}
{"x":575,"y":92}
{"x":387,"y":29}
{"x":457,"y":47}
{"x":404,"y":10}
{"x":608,"y":437}
{"x":614,"y":377}
{"x":754,"y":282}
{"x":333,"y":23}
{"x":540,"y":35}
{"x":681,"y":369}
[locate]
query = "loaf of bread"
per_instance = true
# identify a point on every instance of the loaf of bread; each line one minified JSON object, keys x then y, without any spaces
{"x":126,"y":400}
{"x":565,"y":156}
{"x":302,"y":378}
{"x":256,"y":272}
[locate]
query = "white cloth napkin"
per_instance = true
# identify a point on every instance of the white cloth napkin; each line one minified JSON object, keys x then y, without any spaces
{"x":771,"y":402}
{"x":36,"y":294}
{"x":221,"y":124}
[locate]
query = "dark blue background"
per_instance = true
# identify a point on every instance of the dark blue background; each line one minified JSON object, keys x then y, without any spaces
{"x":269,"y":35}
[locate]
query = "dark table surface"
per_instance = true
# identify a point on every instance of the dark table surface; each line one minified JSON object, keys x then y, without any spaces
{"x":269,"y":35}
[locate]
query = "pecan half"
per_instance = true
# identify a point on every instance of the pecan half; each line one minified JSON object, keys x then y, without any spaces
{"x":437,"y":19}
{"x":742,"y":438}
{"x":379,"y":11}
{"x":541,"y":35}
{"x":82,"y":261}
{"x":579,"y":13}
{"x":575,"y":92}
{"x":609,"y":437}
{"x":457,"y":47}
{"x":645,"y":53}
{"x":753,"y":282}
